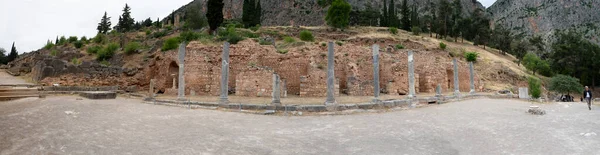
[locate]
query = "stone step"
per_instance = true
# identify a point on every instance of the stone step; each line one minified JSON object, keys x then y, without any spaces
{"x":99,"y":95}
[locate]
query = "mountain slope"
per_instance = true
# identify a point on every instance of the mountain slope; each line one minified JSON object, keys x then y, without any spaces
{"x":309,"y":12}
{"x":543,"y":17}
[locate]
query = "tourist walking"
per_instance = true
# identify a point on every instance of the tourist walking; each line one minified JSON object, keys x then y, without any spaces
{"x":587,"y":95}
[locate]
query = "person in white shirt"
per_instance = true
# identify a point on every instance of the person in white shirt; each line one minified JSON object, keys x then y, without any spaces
{"x":587,"y":95}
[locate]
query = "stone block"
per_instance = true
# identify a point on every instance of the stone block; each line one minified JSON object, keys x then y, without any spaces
{"x":98,"y":95}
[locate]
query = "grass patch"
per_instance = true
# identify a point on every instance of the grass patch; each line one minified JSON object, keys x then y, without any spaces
{"x":132,"y":47}
{"x":170,"y":44}
{"x":306,"y":35}
{"x":289,"y":40}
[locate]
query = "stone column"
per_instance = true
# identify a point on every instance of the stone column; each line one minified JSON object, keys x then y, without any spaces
{"x":456,"y":86}
{"x":151,"y":89}
{"x":223,"y":100}
{"x":276,"y":88}
{"x":330,"y":76}
{"x":411,"y":75}
{"x":438,"y":91}
{"x":376,"y":73}
{"x":472,"y":78}
{"x":181,"y":89}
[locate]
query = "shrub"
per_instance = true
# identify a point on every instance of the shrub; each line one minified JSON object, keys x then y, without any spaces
{"x":132,"y":48}
{"x":170,"y":44}
{"x":159,"y":34}
{"x":169,"y":28}
{"x":323,"y":44}
{"x":53,"y":52}
{"x":289,"y":39}
{"x":105,"y":63}
{"x":250,"y":34}
{"x":338,"y":14}
{"x":564,"y":84}
{"x":471,"y":56}
{"x":394,"y":30}
{"x":416,"y":30}
{"x":75,"y":61}
{"x":62,"y":40}
{"x":148,"y":32}
{"x":399,"y":46}
{"x":93,"y":49}
{"x":442,"y":46}
{"x":84,"y":39}
{"x":306,"y":35}
{"x":339,"y":43}
{"x":255,"y":28}
{"x":281,"y":51}
{"x":535,"y":87}
{"x":48,"y":45}
{"x":78,"y":44}
{"x":188,"y":36}
{"x":230,"y":35}
{"x":72,"y":39}
{"x":99,"y":38}
{"x":264,"y":42}
{"x":107,"y":52}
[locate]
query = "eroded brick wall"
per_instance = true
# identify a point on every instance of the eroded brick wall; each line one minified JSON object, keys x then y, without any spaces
{"x":315,"y":84}
{"x":255,"y":82}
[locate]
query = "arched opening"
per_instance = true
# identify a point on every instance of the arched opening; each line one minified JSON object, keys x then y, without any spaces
{"x":172,"y":76}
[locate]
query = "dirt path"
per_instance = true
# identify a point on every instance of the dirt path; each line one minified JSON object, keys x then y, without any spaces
{"x":64,"y":125}
{"x":6,"y":78}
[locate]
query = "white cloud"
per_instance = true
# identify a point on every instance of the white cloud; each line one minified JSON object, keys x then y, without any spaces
{"x":30,"y":23}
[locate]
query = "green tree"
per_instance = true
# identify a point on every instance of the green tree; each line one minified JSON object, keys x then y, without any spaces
{"x":535,"y":64}
{"x":13,"y":54}
{"x":248,"y":13}
{"x":519,"y":48}
{"x":147,"y":23}
{"x":257,"y":14}
{"x":126,"y":23}
{"x":158,"y":23}
{"x":565,"y":84}
{"x":392,"y":15}
{"x":405,"y":16}
{"x":501,"y":39}
{"x":414,"y":18}
{"x":214,"y":14}
{"x":383,"y":20}
{"x":456,"y":19}
{"x":104,"y":25}
{"x":338,"y":14}
{"x":471,"y":56}
{"x":535,"y":87}
{"x":3,"y":59}
{"x":194,"y":18}
{"x":538,"y":44}
{"x":444,"y":19}
{"x":575,"y":56}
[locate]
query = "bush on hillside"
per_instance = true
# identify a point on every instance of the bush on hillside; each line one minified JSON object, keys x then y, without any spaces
{"x":171,"y":43}
{"x":306,"y":35}
{"x":78,"y":44}
{"x":416,"y":30}
{"x":338,"y":14}
{"x":132,"y":48}
{"x":84,"y":39}
{"x":62,"y":40}
{"x":471,"y":56}
{"x":230,"y":35}
{"x":289,"y":39}
{"x":75,"y":61}
{"x":399,"y":46}
{"x":54,"y":52}
{"x":535,"y":87}
{"x":393,"y":30}
{"x":339,"y":43}
{"x":564,"y":84}
{"x":255,"y":28}
{"x":442,"y":46}
{"x":188,"y":36}
{"x":99,"y":38}
{"x":107,"y":52}
{"x":72,"y":39}
{"x":48,"y":45}
{"x":93,"y":49}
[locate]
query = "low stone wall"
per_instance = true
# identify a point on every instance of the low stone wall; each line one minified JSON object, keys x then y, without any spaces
{"x":80,"y":88}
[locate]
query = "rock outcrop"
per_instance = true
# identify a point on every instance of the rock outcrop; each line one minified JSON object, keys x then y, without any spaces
{"x":309,"y":12}
{"x":543,"y":17}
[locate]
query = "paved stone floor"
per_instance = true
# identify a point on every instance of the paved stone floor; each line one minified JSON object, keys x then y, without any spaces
{"x":6,"y":78}
{"x":65,"y":125}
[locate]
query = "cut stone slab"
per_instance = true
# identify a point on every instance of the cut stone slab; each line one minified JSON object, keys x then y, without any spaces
{"x":99,"y":95}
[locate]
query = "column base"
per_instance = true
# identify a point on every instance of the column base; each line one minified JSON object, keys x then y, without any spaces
{"x":276,"y":103}
{"x":181,"y":99}
{"x":472,"y":92}
{"x":457,"y":94}
{"x":376,"y":100}
{"x":223,"y":102}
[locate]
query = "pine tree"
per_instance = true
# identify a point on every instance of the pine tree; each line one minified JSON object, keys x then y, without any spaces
{"x":194,"y":18}
{"x":338,"y":14}
{"x":56,"y":43}
{"x":214,"y":14}
{"x":13,"y":53}
{"x":158,"y":24}
{"x":456,"y":19}
{"x":383,"y":22}
{"x":405,"y":16}
{"x":392,"y":15}
{"x":414,"y":17}
{"x":257,"y":14}
{"x":3,"y":56}
{"x":147,"y":23}
{"x":126,"y":23}
{"x":444,"y":9}
{"x":104,"y":25}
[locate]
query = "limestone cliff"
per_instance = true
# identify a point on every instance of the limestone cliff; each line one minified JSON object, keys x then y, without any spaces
{"x":309,"y":12}
{"x":543,"y":17}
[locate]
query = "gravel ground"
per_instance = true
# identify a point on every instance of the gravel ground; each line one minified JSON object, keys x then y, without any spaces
{"x":65,"y":125}
{"x":6,"y":78}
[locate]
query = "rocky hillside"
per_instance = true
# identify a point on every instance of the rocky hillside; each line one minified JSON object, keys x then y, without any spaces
{"x":543,"y":17}
{"x":309,"y":12}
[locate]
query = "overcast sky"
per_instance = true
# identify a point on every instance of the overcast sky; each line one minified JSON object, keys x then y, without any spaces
{"x":30,"y":23}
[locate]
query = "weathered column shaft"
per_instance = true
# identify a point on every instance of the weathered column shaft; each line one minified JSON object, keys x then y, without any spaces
{"x":181,"y":89}
{"x":472,"y":77}
{"x":411,"y":75}
{"x":276,"y":100}
{"x":330,"y":75}
{"x":151,"y":89}
{"x":456,"y":86}
{"x":223,"y":99}
{"x":376,"y":88}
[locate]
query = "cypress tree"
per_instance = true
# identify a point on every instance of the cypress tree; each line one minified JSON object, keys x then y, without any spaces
{"x":214,"y":14}
{"x":126,"y":23}
{"x":56,"y":43}
{"x":414,"y":17}
{"x":2,"y":56}
{"x":104,"y":25}
{"x":13,"y":53}
{"x":384,"y":18}
{"x":405,"y":16}
{"x":247,"y":13}
{"x":456,"y":19}
{"x":257,"y":14}
{"x":392,"y":16}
